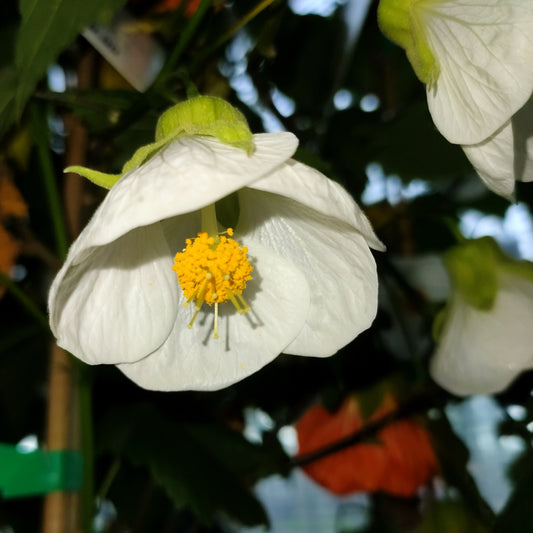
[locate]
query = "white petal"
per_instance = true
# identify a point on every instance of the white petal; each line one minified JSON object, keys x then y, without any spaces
{"x":190,"y":173}
{"x":333,"y":256}
{"x":482,"y":352}
{"x":485,"y":53}
{"x":506,"y":156}
{"x":191,"y":359}
{"x":120,"y":303}
{"x":309,"y":187}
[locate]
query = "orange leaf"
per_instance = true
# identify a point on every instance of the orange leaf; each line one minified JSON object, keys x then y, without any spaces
{"x":411,"y":459}
{"x":9,"y":250}
{"x":171,"y":5}
{"x":356,"y":468}
{"x":12,"y":205}
{"x":399,"y":462}
{"x":11,"y":202}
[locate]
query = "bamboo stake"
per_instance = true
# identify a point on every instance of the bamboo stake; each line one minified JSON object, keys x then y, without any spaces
{"x":62,"y":511}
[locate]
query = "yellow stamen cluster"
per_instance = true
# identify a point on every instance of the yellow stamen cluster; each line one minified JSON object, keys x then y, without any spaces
{"x":213,"y":270}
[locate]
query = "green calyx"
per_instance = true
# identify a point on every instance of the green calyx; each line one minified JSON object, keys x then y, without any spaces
{"x":402,"y":21}
{"x":475,"y":269}
{"x":202,"y":115}
{"x":206,"y":115}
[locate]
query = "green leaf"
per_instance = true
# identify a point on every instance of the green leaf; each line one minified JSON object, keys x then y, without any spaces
{"x":46,"y":29}
{"x":453,"y":458}
{"x":517,"y":514}
{"x":244,"y":459}
{"x":449,"y":516}
{"x":98,"y":109}
{"x":411,"y":147}
{"x":200,"y":466}
{"x":8,"y":88}
{"x":370,"y":399}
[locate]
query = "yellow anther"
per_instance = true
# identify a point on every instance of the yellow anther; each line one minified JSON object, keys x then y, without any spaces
{"x":213,"y":270}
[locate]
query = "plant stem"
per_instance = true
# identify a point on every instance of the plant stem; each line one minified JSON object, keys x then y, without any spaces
{"x":184,"y":39}
{"x":108,"y":480}
{"x":261,"y":6}
{"x":40,"y":135}
{"x":243,"y":21}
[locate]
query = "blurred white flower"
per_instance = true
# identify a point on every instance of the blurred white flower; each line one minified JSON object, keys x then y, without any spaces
{"x":313,"y":288}
{"x":486,"y":334}
{"x":476,"y":59}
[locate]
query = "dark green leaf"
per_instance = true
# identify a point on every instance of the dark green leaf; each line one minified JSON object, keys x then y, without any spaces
{"x":449,"y":517}
{"x":370,"y":399}
{"x":98,"y":109}
{"x":197,"y":465}
{"x":408,"y":145}
{"x":239,"y":455}
{"x":453,"y":457}
{"x":517,"y":515}
{"x":8,"y":88}
{"x":46,"y":29}
{"x":412,"y":147}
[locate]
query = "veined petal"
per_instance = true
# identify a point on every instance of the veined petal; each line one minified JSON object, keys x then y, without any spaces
{"x":120,"y":303}
{"x":493,"y":161}
{"x":191,"y":359}
{"x":481,"y":352}
{"x":506,"y":156}
{"x":311,"y":188}
{"x":190,"y":173}
{"x":485,"y":53}
{"x":334,"y":258}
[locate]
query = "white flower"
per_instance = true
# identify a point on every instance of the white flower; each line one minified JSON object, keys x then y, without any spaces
{"x":482,"y":351}
{"x":486,"y":337}
{"x":476,"y":58}
{"x":117,"y":299}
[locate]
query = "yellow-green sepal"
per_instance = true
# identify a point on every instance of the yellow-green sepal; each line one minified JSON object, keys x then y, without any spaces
{"x":402,"y":22}
{"x":107,"y":181}
{"x":438,"y":323}
{"x":206,"y":115}
{"x":202,"y":115}
{"x":474,"y":269}
{"x":515,"y":267}
{"x":99,"y":178}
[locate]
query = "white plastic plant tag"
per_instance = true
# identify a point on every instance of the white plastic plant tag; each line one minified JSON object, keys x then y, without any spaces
{"x":134,"y":53}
